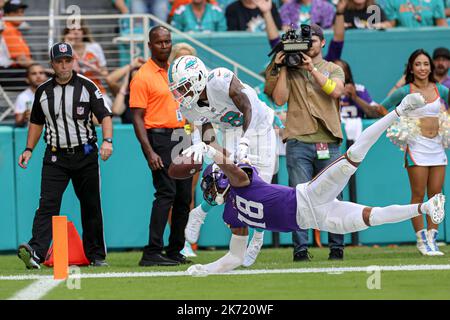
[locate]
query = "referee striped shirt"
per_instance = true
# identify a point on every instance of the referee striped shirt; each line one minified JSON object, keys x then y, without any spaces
{"x":67,"y":111}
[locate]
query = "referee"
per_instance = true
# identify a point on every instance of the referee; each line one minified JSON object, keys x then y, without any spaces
{"x":65,"y":104}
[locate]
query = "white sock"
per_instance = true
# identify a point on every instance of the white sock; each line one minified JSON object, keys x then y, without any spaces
{"x":369,"y":136}
{"x":233,"y":258}
{"x":392,"y":214}
{"x":258,"y":235}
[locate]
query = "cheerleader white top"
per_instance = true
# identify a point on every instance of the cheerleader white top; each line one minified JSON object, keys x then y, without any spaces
{"x":420,"y":150}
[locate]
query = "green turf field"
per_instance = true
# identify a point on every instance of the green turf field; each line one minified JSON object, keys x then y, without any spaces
{"x":320,"y":284}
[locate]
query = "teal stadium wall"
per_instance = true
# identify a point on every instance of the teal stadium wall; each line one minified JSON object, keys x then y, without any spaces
{"x":377,"y":59}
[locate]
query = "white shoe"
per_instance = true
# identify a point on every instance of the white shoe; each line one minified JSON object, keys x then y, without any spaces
{"x":197,"y":270}
{"x":187,"y":250}
{"x":196,"y":219}
{"x":253,"y":249}
{"x":432,"y":236}
{"x":409,"y":103}
{"x":434,"y":207}
{"x":422,"y":243}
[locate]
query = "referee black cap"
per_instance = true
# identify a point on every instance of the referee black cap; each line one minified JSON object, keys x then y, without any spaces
{"x":61,"y":49}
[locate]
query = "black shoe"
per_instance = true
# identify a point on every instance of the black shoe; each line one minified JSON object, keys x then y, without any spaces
{"x":336,"y":254}
{"x":99,"y":263}
{"x":180,"y":258}
{"x":303,"y":255}
{"x":26,"y":253}
{"x":156,"y":259}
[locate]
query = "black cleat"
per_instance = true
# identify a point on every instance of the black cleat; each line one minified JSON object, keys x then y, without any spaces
{"x":99,"y":263}
{"x":336,"y":254}
{"x":26,"y":253}
{"x":302,"y":255}
{"x":179,"y":258}
{"x":157,"y":259}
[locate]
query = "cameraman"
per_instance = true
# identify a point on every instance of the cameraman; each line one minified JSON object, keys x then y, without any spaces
{"x":313,"y":129}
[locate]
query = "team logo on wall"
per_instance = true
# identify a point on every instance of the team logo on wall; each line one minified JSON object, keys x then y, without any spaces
{"x":63,"y":47}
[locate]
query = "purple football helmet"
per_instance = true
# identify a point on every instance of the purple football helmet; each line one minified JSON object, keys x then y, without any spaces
{"x":215,"y":185}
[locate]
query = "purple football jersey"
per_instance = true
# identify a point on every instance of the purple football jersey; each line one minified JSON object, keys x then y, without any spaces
{"x":262,"y":205}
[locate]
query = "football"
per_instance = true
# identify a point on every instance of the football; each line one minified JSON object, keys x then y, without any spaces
{"x":183,"y":167}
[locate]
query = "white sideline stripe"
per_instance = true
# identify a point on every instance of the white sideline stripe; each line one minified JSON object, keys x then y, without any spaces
{"x":36,"y":290}
{"x":423,"y":267}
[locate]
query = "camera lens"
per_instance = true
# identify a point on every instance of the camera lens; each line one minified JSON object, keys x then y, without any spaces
{"x":293,"y":60}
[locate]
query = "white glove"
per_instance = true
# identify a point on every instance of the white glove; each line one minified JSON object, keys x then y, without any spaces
{"x":197,"y":270}
{"x":242,"y":149}
{"x":199,"y":150}
{"x":411,"y":102}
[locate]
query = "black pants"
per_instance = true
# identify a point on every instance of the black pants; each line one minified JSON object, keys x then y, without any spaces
{"x":169,"y":193}
{"x":58,"y":169}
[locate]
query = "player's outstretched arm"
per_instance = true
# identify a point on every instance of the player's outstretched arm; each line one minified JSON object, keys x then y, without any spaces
{"x":233,"y":259}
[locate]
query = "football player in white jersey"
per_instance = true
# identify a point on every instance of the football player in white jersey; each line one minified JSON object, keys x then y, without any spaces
{"x":219,"y":97}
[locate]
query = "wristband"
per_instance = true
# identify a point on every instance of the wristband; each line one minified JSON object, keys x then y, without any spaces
{"x":28,"y":149}
{"x":108,"y":140}
{"x":339,"y":13}
{"x":329,"y":86}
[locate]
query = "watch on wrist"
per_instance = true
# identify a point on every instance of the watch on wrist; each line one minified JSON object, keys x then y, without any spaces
{"x":108,"y":140}
{"x":28,"y":149}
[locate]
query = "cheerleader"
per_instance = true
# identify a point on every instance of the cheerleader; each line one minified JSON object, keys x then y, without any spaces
{"x":423,"y":138}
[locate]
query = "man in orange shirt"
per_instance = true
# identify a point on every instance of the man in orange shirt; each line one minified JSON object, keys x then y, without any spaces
{"x":158,"y":125}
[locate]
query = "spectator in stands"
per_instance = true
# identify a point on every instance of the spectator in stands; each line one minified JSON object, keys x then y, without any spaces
{"x":364,"y":14}
{"x":119,"y":83}
{"x":447,"y":8}
{"x":17,"y":46}
{"x":297,"y":12}
{"x":441,"y":60}
{"x":2,"y":4}
{"x":199,"y":16}
{"x":5,"y":58}
{"x":158,"y":8}
{"x":244,"y":15}
{"x":356,"y":101}
{"x":35,"y":77}
{"x":175,"y":4}
{"x":88,"y":55}
{"x":18,"y":57}
{"x":415,"y":13}
{"x":182,"y":49}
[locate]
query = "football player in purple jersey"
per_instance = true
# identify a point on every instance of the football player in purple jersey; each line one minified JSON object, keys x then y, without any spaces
{"x":251,"y":202}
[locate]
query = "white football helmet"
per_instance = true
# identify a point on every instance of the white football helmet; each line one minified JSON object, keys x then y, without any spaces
{"x":187,"y":79}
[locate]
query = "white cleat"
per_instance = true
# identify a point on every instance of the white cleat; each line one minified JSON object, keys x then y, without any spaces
{"x":187,"y":250}
{"x":196,"y":219}
{"x":422,"y":243}
{"x":434,"y":207}
{"x":432,"y":236}
{"x":253,"y":249}
{"x":409,"y":103}
{"x":197,"y":270}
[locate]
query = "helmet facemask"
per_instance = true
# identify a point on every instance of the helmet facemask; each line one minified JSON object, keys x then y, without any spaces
{"x":215,"y":187}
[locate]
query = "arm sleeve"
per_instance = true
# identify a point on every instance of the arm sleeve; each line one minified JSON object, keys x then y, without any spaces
{"x":98,"y":105}
{"x":438,"y":10}
{"x":222,"y":21}
{"x":276,"y":16}
{"x":231,"y":17}
{"x":19,"y":104}
{"x":390,"y":11}
{"x":37,"y":114}
{"x":138,"y":93}
{"x":334,"y":50}
{"x":443,"y":92}
{"x":395,"y":98}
